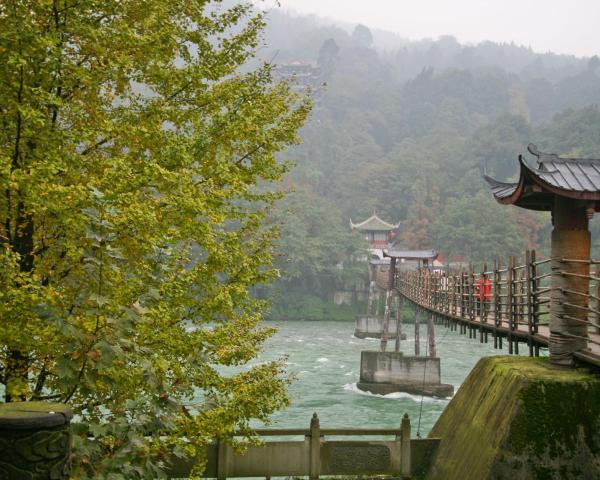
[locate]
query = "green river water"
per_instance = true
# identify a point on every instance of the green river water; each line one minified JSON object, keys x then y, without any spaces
{"x":325,"y":358}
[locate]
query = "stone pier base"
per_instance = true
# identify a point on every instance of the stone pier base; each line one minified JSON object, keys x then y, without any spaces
{"x":389,"y":372}
{"x":371,"y":327}
{"x":519,"y":418}
{"x":35,"y":441}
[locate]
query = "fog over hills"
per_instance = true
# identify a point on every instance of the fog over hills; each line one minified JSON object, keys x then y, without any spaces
{"x":409,"y":131}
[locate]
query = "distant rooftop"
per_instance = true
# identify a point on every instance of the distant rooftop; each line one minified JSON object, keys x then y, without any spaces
{"x":411,"y":254}
{"x":373,"y":224}
{"x":379,"y":261}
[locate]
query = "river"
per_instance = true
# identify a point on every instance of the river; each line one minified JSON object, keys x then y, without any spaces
{"x":325,"y":359}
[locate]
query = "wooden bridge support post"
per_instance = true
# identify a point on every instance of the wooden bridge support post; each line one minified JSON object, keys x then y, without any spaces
{"x":464,"y":288}
{"x":371,"y":299}
{"x":568,"y":315}
{"x":509,"y":301}
{"x":453,"y":311}
{"x":518,"y":310}
{"x":535,"y":287}
{"x":431,"y":336}
{"x":399,"y":323}
{"x":417,"y":333}
{"x":529,"y":302}
{"x":482,"y":301}
{"x":596,"y":302}
{"x":389,"y":296}
{"x":472,"y":300}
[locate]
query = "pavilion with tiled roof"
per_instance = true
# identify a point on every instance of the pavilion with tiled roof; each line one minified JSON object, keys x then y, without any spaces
{"x":376,"y":230}
{"x":537,"y":187}
{"x":570,"y":189}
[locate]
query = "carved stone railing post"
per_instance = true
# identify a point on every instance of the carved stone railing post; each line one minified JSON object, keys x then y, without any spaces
{"x":405,"y":447}
{"x":35,"y":441}
{"x":315,"y":448}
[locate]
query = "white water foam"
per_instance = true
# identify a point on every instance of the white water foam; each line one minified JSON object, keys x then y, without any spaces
{"x":351,"y":387}
{"x":322,"y":359}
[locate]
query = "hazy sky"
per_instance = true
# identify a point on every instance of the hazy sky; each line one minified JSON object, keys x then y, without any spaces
{"x":562,"y":26}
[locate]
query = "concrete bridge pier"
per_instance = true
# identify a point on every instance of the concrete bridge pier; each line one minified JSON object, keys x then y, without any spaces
{"x":385,"y":372}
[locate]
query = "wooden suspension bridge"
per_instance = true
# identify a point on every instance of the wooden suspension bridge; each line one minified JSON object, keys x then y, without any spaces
{"x":507,"y":303}
{"x":552,"y":302}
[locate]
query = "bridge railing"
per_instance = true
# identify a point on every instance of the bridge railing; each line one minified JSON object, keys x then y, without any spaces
{"x":509,"y":299}
{"x":319,"y":454}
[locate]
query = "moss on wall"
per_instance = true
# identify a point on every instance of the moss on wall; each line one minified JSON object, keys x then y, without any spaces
{"x":520,"y":418}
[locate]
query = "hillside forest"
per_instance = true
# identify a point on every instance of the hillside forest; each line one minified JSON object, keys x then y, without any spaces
{"x":408,"y":131}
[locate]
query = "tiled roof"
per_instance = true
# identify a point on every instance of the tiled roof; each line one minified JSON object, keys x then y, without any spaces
{"x":377,"y":261}
{"x":577,"y":178}
{"x":373,"y":224}
{"x":412,"y":254}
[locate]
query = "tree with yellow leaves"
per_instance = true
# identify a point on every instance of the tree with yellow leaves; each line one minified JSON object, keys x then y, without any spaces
{"x":135,"y":159}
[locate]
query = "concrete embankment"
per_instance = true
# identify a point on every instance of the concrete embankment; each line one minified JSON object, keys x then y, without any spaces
{"x":520,"y":418}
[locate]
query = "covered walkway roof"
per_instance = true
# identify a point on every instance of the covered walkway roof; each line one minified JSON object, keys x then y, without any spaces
{"x":411,"y":254}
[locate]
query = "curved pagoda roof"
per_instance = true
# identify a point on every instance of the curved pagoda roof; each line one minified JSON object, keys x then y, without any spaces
{"x":374,"y":224}
{"x":576,"y":178}
{"x":411,"y":254}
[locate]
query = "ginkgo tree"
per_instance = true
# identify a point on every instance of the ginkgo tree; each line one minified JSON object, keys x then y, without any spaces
{"x":136,"y":153}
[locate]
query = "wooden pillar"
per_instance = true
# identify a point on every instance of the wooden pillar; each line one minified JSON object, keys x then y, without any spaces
{"x":595,"y":303}
{"x":431,"y":336}
{"x":399,"y":323}
{"x":509,"y":301}
{"x":535,"y":307}
{"x":528,"y":302}
{"x":372,"y":287}
{"x":417,"y":333}
{"x":570,"y":240}
{"x":388,"y":304}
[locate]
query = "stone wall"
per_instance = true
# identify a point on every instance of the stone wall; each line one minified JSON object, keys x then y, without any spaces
{"x":520,"y":418}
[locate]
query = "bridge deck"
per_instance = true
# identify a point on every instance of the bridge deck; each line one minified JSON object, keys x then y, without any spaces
{"x":521,"y":334}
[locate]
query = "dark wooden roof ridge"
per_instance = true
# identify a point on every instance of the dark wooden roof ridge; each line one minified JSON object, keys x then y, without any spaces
{"x":553,"y":157}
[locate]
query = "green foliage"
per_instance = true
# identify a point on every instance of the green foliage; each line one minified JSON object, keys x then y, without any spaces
{"x":297,"y":304}
{"x":131,"y":222}
{"x":318,"y":254}
{"x":410,"y":133}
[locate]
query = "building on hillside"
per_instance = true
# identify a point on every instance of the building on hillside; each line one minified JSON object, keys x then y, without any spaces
{"x":377,"y":232}
{"x":301,"y":75}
